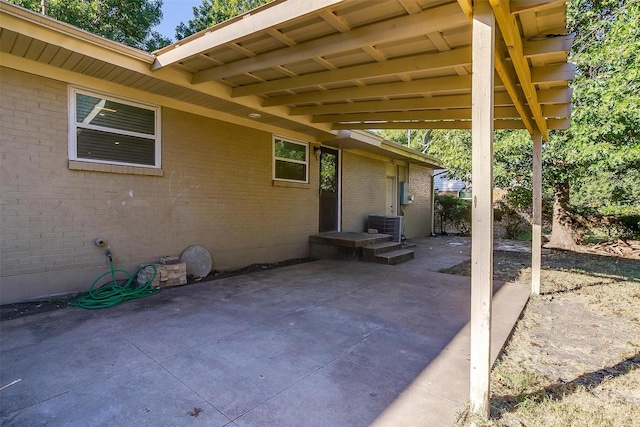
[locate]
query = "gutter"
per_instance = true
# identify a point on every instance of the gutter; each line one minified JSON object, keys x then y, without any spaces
{"x":49,"y":23}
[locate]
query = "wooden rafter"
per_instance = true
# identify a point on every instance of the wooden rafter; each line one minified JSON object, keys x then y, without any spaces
{"x":430,"y":86}
{"x":284,"y":39}
{"x":405,"y":26}
{"x":448,"y":124}
{"x":241,"y":26}
{"x":508,"y":76}
{"x":506,"y":72}
{"x":545,"y":46}
{"x":436,"y":102}
{"x":432,"y":61}
{"x":422,"y":115}
{"x":334,"y":21}
{"x":519,"y":6}
{"x":553,"y":73}
{"x":511,"y":35}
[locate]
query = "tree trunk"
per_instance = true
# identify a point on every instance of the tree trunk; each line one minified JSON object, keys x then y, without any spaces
{"x":562,"y":236}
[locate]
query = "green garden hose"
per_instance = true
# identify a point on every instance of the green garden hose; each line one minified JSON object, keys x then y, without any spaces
{"x":111,"y":294}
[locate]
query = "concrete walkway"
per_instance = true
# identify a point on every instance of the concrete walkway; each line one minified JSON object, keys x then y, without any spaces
{"x":326,"y":343}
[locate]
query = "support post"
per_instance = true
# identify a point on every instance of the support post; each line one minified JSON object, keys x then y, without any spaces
{"x":482,"y":205}
{"x":536,"y":232}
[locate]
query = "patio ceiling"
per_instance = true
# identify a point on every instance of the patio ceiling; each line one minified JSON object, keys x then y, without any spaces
{"x":361,"y":64}
{"x":322,"y":69}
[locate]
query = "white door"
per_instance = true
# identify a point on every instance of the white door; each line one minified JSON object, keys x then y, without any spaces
{"x":391,"y":196}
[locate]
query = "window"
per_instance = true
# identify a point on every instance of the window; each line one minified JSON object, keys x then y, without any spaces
{"x":290,"y":160}
{"x":116,"y":131}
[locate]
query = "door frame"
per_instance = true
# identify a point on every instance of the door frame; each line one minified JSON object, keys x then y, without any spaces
{"x":393,"y":196}
{"x":339,"y":167}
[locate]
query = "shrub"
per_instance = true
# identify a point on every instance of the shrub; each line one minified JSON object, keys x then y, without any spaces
{"x":607,"y":223}
{"x":454,"y":214}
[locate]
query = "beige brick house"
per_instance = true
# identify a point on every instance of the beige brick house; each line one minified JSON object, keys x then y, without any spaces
{"x":96,"y":144}
{"x":252,"y":135}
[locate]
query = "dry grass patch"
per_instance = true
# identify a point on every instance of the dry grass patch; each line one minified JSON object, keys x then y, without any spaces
{"x":574,"y":357}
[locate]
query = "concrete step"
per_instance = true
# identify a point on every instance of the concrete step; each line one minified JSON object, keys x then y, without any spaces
{"x":369,"y":252}
{"x":394,"y":257}
{"x":343,"y":245}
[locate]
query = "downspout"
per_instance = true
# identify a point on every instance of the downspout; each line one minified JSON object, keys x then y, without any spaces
{"x":433,"y":206}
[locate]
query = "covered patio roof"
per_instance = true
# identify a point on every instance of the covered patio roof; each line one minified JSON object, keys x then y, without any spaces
{"x":322,"y":69}
{"x":336,"y":65}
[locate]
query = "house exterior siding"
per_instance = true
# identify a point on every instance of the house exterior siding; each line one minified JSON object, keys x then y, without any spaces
{"x":364,"y":186}
{"x":216,"y":190}
{"x":417,"y":215}
{"x":363,"y":190}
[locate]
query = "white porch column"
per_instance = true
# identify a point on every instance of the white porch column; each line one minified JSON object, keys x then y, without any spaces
{"x":536,"y":232}
{"x":482,"y":204}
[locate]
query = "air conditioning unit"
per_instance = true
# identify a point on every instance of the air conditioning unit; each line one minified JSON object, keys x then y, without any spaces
{"x":387,"y":224}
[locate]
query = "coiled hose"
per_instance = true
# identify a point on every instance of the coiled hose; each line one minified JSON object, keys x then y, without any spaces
{"x":111,"y":294}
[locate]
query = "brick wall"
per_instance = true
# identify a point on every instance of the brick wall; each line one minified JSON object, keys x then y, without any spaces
{"x":216,"y":191}
{"x":417,"y":215}
{"x":363,"y":190}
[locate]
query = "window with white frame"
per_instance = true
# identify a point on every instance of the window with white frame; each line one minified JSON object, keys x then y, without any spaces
{"x":105,"y":129}
{"x":290,"y":160}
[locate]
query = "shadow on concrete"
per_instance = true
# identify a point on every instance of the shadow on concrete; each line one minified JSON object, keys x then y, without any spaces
{"x":319,"y":343}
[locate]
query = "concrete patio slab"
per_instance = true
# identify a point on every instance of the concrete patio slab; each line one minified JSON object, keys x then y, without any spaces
{"x":323,"y":343}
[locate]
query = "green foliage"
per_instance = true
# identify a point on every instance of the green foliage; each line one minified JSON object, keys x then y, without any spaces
{"x":328,"y":172}
{"x":607,"y":223}
{"x":513,"y":211}
{"x":600,"y":153}
{"x":124,"y":21}
{"x":453,"y":213}
{"x":512,"y":156}
{"x":212,"y":12}
{"x":453,"y":147}
{"x":417,"y":139}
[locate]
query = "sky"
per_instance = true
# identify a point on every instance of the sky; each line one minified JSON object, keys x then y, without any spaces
{"x":173,"y":13}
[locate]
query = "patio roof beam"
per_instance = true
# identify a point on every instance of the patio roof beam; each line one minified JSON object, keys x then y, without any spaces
{"x":422,"y":115}
{"x":511,"y":34}
{"x":553,"y":73}
{"x":555,"y":96}
{"x":431,"y":61}
{"x":436,"y":19}
{"x":508,"y":75}
{"x":551,"y":96}
{"x":552,"y":111}
{"x":519,"y":6}
{"x":534,"y":48}
{"x":446,"y":124}
{"x":242,"y":25}
{"x":436,"y":85}
{"x":506,"y":72}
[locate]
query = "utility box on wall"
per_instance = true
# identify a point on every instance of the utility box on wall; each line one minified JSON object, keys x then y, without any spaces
{"x":405,"y":197}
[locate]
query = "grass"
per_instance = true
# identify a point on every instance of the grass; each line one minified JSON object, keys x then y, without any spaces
{"x":574,"y":357}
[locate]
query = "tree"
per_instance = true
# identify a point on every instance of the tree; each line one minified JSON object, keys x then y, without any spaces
{"x":212,"y":12}
{"x":596,"y":161}
{"x":124,"y":21}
